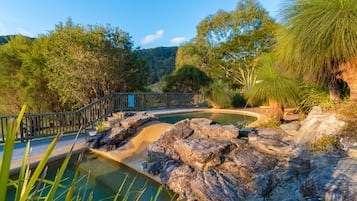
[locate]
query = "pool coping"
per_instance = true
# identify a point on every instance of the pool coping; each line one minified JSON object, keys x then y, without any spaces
{"x":39,"y":147}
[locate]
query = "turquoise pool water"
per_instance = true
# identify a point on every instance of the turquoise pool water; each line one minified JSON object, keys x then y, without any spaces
{"x":103,"y":177}
{"x":222,"y":118}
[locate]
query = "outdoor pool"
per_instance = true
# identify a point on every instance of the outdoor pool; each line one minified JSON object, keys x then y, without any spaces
{"x":103,"y":177}
{"x":238,"y":120}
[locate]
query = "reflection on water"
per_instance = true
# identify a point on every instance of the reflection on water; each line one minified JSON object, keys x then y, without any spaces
{"x":222,"y":118}
{"x":103,"y":177}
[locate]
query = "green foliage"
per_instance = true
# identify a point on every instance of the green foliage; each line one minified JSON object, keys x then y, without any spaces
{"x":314,"y":95}
{"x":100,"y":126}
{"x":227,"y":43}
{"x":272,"y":85}
{"x":219,"y":95}
{"x":318,"y":36}
{"x":347,"y":112}
{"x":94,"y":59}
{"x":238,"y":100}
{"x":325,"y":143}
{"x":266,"y":122}
{"x":160,"y":62}
{"x":187,"y":79}
{"x":12,"y":128}
{"x":70,"y":67}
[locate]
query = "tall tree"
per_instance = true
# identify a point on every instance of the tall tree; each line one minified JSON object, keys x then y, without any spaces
{"x":11,"y":55}
{"x":86,"y":63}
{"x":320,"y":41}
{"x":227,"y":43}
{"x":187,"y":79}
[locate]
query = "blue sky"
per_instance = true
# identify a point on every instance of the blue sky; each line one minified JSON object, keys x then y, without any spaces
{"x":151,"y":23}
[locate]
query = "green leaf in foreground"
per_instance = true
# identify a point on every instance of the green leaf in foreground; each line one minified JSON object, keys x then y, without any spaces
{"x":11,"y":130}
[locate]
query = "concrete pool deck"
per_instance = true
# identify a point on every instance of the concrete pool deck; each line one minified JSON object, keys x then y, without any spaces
{"x":39,"y":147}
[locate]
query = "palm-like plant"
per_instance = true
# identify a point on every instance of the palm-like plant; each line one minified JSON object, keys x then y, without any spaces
{"x":320,"y":39}
{"x":273,"y":87}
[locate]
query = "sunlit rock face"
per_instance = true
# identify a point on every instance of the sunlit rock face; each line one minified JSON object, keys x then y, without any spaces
{"x":201,"y":160}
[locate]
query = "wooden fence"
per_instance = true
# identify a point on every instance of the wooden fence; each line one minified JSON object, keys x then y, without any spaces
{"x":49,"y":124}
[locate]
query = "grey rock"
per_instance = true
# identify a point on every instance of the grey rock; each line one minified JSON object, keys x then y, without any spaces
{"x":211,"y":185}
{"x":202,"y":154}
{"x":337,"y":182}
{"x":316,"y":125}
{"x":218,"y":132}
{"x":348,"y":141}
{"x":180,"y":182}
{"x":118,"y":134}
{"x":137,"y":120}
{"x":154,"y":168}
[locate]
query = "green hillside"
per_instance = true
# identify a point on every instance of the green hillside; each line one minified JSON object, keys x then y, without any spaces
{"x":5,"y":39}
{"x":160,"y":61}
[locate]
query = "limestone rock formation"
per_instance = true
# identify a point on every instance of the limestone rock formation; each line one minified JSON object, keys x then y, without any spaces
{"x":318,"y":124}
{"x":201,"y":154}
{"x":118,"y":128}
{"x":201,"y":160}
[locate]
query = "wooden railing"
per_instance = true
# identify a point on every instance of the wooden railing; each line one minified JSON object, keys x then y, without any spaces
{"x":49,"y":124}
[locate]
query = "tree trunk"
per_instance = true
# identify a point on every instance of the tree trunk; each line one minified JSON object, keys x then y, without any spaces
{"x":277,"y":110}
{"x":335,"y":91}
{"x":349,"y":75}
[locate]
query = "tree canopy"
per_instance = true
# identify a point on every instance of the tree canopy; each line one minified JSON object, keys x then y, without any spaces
{"x":227,"y":43}
{"x":67,"y":68}
{"x":319,"y":40}
{"x":187,"y":79}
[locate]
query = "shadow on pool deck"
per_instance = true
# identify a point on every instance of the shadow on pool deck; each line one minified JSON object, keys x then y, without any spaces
{"x":39,"y":147}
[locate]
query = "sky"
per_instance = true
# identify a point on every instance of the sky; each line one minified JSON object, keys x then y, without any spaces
{"x":150,"y":23}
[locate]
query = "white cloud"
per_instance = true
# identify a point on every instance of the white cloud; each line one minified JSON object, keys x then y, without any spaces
{"x":152,"y":37}
{"x":177,"y":40}
{"x":24,"y":32}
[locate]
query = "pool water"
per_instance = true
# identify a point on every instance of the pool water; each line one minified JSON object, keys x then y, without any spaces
{"x":222,"y":118}
{"x":103,"y":177}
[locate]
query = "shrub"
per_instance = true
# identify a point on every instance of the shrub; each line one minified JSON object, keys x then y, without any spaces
{"x":219,"y":95}
{"x":313,"y":95}
{"x":325,"y":143}
{"x":238,"y":100}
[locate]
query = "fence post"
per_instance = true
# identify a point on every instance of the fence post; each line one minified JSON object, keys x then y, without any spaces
{"x":168,"y":100}
{"x":22,"y":131}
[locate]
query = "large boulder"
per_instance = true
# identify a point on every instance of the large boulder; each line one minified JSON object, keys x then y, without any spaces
{"x":206,"y":128}
{"x":202,"y":154}
{"x":163,"y":149}
{"x":137,"y":120}
{"x":269,"y":141}
{"x":336,"y":182}
{"x":318,"y":124}
{"x":179,"y":181}
{"x":212,"y":185}
{"x":118,"y":134}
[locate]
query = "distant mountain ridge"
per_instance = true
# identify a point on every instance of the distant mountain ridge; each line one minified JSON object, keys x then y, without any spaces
{"x":7,"y":38}
{"x":160,"y":61}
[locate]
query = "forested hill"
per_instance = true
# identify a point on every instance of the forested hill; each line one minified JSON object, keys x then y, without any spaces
{"x":6,"y":39}
{"x":160,"y":61}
